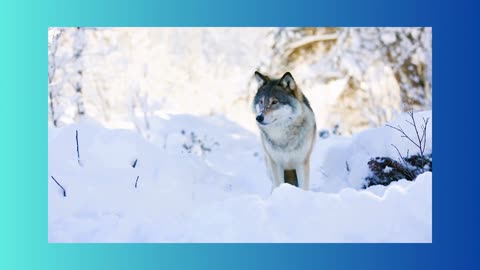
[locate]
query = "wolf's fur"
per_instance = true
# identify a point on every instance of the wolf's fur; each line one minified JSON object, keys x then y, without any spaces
{"x":287,"y":125}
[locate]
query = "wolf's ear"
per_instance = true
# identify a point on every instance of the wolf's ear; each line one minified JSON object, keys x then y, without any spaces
{"x":261,"y":79}
{"x":288,"y":82}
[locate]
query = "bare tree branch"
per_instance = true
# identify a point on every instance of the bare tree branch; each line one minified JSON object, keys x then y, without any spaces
{"x":424,"y":135}
{"x":404,"y":135}
{"x":416,"y":131}
{"x":421,"y":140}
{"x":405,"y":164}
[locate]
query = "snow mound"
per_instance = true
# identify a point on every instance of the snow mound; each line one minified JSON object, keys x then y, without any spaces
{"x":202,"y":179}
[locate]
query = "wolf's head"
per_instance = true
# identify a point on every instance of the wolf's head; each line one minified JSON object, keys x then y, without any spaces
{"x":276,"y":99}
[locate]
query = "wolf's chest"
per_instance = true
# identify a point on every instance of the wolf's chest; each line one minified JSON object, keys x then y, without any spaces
{"x":289,"y":144}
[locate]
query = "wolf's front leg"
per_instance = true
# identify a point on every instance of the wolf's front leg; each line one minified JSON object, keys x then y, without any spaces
{"x":303,"y":173}
{"x":277,"y":172}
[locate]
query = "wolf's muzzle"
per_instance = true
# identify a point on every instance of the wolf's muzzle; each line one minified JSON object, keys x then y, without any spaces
{"x":260,"y":118}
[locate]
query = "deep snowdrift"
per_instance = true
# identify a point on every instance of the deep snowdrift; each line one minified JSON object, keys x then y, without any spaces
{"x":202,"y":179}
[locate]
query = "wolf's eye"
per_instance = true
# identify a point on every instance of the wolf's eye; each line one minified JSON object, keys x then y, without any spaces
{"x":261,"y":101}
{"x":274,"y":102}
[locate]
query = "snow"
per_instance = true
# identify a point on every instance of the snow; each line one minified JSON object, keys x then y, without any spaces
{"x":387,"y":169}
{"x":203,"y":179}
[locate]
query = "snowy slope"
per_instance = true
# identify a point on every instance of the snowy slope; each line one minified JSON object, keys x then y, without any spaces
{"x":217,"y":190}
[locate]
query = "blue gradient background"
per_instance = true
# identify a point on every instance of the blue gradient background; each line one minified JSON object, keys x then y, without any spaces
{"x":23,"y":81}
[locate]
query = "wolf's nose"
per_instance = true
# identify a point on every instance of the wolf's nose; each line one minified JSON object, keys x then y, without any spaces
{"x":260,"y":118}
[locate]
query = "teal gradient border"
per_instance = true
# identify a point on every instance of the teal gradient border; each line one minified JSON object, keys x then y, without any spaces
{"x":23,"y":81}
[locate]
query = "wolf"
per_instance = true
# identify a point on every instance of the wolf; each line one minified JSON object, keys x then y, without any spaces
{"x":287,"y":127}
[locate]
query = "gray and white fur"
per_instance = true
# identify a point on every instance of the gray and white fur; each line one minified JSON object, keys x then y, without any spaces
{"x":287,"y":126}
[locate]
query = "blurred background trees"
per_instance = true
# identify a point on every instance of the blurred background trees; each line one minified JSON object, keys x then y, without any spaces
{"x":355,"y":78}
{"x":381,"y":71}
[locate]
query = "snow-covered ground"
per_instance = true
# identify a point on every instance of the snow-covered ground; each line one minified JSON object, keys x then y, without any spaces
{"x":203,"y":179}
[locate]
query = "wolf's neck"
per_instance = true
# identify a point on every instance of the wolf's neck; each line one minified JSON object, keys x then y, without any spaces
{"x":285,"y":132}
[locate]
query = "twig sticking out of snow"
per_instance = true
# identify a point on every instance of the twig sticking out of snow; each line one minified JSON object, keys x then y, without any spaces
{"x":165,"y":141}
{"x":138,"y":176}
{"x":78,"y":149}
{"x":64,"y":191}
{"x":136,"y":181}
{"x":421,"y":140}
{"x":404,"y":163}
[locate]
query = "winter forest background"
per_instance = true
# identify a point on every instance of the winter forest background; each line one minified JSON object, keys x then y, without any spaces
{"x":355,"y":78}
{"x":152,"y":136}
